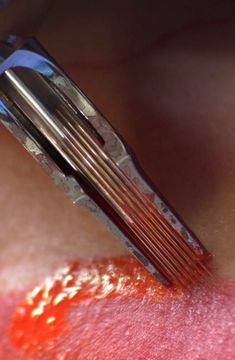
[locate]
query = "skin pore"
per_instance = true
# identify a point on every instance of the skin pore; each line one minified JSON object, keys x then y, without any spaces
{"x":162,"y":74}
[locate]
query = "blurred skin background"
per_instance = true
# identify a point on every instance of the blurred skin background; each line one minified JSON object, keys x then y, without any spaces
{"x":163,"y":74}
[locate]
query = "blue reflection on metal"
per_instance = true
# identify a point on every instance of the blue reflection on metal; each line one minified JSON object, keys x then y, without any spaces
{"x":3,"y":109}
{"x":28,"y":59}
{"x":5,"y":114}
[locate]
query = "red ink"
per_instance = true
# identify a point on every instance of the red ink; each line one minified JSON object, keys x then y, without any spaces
{"x":42,"y":316}
{"x":114,"y":309}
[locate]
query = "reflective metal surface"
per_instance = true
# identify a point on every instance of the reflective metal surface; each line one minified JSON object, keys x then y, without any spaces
{"x":55,"y":121}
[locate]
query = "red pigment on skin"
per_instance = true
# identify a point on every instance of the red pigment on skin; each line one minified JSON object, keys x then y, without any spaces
{"x":114,"y":309}
{"x":42,"y":316}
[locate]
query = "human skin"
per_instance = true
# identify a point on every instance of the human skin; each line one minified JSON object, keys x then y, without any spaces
{"x":164,"y":78}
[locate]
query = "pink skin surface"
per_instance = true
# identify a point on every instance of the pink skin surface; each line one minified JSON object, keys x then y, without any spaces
{"x":173,"y":100}
{"x":130,"y":325}
{"x":200,"y":325}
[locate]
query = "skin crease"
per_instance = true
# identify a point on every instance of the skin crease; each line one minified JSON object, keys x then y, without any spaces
{"x":172,"y":99}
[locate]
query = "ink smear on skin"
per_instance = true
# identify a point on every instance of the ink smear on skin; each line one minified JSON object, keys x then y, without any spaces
{"x":42,"y":316}
{"x":92,"y":309}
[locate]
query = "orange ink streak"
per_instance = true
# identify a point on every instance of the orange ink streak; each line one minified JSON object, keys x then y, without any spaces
{"x":42,"y":315}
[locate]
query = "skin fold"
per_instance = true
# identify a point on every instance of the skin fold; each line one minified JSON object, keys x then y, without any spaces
{"x":163,"y":75}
